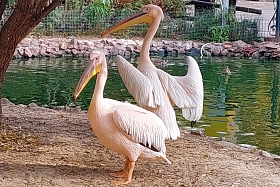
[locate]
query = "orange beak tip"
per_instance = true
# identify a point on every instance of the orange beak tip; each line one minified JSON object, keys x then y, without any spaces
{"x":75,"y":97}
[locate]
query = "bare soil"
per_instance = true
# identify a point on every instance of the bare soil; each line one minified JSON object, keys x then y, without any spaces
{"x":56,"y":147}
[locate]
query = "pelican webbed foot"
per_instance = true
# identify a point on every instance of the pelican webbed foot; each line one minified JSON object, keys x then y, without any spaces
{"x":122,"y":173}
{"x":125,"y":175}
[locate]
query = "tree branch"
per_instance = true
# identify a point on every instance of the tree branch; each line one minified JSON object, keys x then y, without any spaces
{"x":47,"y":8}
{"x":3,"y":4}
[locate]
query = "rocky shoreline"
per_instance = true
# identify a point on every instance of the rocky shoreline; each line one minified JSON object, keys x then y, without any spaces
{"x":72,"y":46}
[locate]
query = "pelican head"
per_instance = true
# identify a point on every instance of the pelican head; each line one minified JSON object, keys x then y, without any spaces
{"x":147,"y":14}
{"x":94,"y":67}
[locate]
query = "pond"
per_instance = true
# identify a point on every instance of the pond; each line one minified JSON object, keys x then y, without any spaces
{"x":244,"y":105}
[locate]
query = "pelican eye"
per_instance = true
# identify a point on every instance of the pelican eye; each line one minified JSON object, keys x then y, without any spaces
{"x":145,"y":9}
{"x":94,"y":59}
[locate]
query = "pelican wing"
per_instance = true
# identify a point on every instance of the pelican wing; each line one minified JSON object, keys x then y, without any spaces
{"x":195,"y":94}
{"x":177,"y":94}
{"x":138,"y":85}
{"x":141,"y":126}
{"x":185,"y":92}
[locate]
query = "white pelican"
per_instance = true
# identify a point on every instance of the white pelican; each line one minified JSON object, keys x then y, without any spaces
{"x":154,"y":89}
{"x":122,"y":127}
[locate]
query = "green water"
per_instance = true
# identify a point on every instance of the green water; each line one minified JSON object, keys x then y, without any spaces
{"x":244,"y":104}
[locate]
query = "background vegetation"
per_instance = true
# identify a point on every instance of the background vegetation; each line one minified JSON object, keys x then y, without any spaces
{"x":78,"y":17}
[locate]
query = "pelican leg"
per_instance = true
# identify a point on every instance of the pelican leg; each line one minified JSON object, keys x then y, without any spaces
{"x":122,"y":173}
{"x":126,"y":180}
{"x":193,"y":123}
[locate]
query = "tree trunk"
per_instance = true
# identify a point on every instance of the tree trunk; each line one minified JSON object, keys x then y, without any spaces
{"x":25,"y":17}
{"x":3,"y":4}
{"x":5,"y":60}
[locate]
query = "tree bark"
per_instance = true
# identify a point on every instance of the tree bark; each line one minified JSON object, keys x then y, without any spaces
{"x":25,"y":17}
{"x":3,"y":4}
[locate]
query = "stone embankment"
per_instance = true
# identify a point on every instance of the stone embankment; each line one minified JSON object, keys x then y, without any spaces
{"x":58,"y":47}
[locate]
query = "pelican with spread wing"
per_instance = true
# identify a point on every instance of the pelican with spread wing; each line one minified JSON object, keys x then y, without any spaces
{"x":154,"y":89}
{"x":122,"y":127}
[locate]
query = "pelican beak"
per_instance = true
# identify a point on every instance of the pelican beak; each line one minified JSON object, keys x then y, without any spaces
{"x":92,"y":69}
{"x":140,"y":17}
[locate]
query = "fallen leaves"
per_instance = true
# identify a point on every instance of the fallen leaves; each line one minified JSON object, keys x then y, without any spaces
{"x":17,"y":140}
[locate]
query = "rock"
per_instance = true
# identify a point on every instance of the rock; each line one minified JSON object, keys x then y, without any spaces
{"x":35,"y":51}
{"x":5,"y":101}
{"x":265,"y":154}
{"x":137,"y":51}
{"x":206,"y":53}
{"x":129,"y":48}
{"x":77,"y":109}
{"x":153,"y":50}
{"x":74,"y":41}
{"x":224,"y":52}
{"x":227,"y":45}
{"x":100,"y":45}
{"x":198,"y":45}
{"x":63,"y":45}
{"x":31,"y":47}
{"x":34,"y":43}
{"x":111,"y":43}
{"x":271,"y":45}
{"x":33,"y":105}
{"x":114,"y":51}
{"x":169,"y":49}
{"x":25,"y":42}
{"x":43,"y":51}
{"x":27,"y":52}
{"x":121,"y":52}
{"x":181,"y":50}
{"x":21,"y":51}
{"x":256,"y":55}
{"x":68,"y":51}
{"x":74,"y":52}
{"x":217,"y":50}
{"x":53,"y":45}
{"x":22,"y":105}
{"x":49,"y":50}
{"x":139,"y":42}
{"x":239,"y":44}
{"x":127,"y":53}
{"x":16,"y":54}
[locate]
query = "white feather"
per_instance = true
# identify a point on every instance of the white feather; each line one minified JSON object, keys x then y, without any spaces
{"x":150,"y":131}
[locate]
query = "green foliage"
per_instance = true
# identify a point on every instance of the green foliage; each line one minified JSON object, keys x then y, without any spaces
{"x":74,"y":4}
{"x":166,"y":5}
{"x":95,"y":11}
{"x":203,"y":21}
{"x":219,"y":33}
{"x":99,"y":15}
{"x":54,"y":19}
{"x":207,"y":26}
{"x":11,"y":4}
{"x":246,"y":30}
{"x":230,"y":15}
{"x":173,"y":5}
{"x":135,"y":5}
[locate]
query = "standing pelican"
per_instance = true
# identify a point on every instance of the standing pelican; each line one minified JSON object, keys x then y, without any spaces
{"x":122,"y":127}
{"x":154,"y":89}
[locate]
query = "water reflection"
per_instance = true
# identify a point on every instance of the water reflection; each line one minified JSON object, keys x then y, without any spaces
{"x":243,"y":104}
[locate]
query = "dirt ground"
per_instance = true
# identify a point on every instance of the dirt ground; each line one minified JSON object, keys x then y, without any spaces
{"x":56,"y":147}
